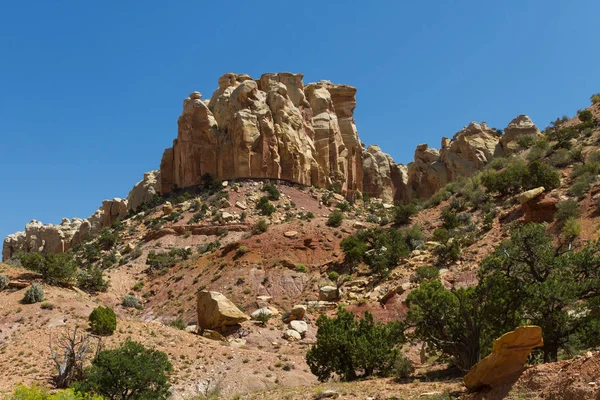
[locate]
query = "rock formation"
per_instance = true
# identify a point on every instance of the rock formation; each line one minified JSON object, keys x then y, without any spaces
{"x":508,"y":357}
{"x":273,"y":127}
{"x":518,"y":128}
{"x":216,"y":312}
{"x":144,"y":190}
{"x":276,"y":127}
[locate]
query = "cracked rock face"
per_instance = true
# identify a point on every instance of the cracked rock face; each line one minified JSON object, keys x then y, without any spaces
{"x":273,"y":127}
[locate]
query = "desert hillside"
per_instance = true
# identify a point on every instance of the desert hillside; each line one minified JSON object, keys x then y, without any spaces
{"x":268,"y":215}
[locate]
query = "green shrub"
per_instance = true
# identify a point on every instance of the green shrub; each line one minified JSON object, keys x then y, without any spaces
{"x":35,"y":392}
{"x":571,"y":228}
{"x":403,"y":213}
{"x":380,"y":249}
{"x":31,"y":261}
{"x":518,"y":176}
{"x":3,"y":282}
{"x":413,"y":236}
{"x":567,"y":209}
{"x":272,"y":192}
{"x":103,"y":321}
{"x":130,"y":371}
{"x":560,"y":158}
{"x":178,"y":323}
{"x":130,"y":301}
{"x":450,"y":219}
{"x":585,"y":115}
{"x":333,"y":276}
{"x":425,"y":274}
{"x":265,"y":207}
{"x":91,"y":280}
{"x":47,"y":306}
{"x":240,"y":251}
{"x":335,"y":219}
{"x":402,"y":367}
{"x":526,"y":141}
{"x":260,"y":227}
{"x":347,"y":347}
{"x":300,"y":268}
{"x":581,"y":185}
{"x":34,"y":294}
{"x":107,"y":239}
{"x":595,"y":98}
{"x":343,"y":206}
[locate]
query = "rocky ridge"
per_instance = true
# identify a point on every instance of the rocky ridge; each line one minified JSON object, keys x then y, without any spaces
{"x":275,"y":127}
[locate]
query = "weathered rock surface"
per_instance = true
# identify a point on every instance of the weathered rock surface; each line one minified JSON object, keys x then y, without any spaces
{"x":518,"y":128}
{"x":328,"y":293}
{"x":273,"y":127}
{"x":216,"y":312}
{"x":382,"y":177}
{"x":508,"y":357}
{"x":144,"y":190}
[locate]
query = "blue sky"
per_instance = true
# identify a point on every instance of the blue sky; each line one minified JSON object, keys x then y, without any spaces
{"x":90,"y":92}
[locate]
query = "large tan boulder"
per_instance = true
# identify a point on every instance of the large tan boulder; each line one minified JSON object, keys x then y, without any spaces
{"x":382,"y":177}
{"x":427,"y":173}
{"x":216,"y":312}
{"x":114,"y":210}
{"x":518,"y":128}
{"x":508,"y":357}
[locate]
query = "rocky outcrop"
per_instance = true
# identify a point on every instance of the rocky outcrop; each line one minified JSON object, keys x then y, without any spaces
{"x":50,"y":238}
{"x":470,"y":150}
{"x":38,"y":237}
{"x":508,"y":357}
{"x":144,"y":190}
{"x":273,"y":127}
{"x":382,"y":177}
{"x":518,"y":128}
{"x":427,"y":173}
{"x":217,"y":312}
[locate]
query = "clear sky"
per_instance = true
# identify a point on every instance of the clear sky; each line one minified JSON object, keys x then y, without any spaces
{"x":90,"y":92}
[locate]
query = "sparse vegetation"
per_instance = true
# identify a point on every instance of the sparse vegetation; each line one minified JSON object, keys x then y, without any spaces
{"x":130,"y":301}
{"x":34,"y":294}
{"x":335,"y":219}
{"x":260,"y":227}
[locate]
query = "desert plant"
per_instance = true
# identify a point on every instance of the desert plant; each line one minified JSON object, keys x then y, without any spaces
{"x":178,"y":323}
{"x":347,"y":347}
{"x":3,"y":282}
{"x":567,"y":209}
{"x":34,"y":294}
{"x":402,"y":367}
{"x":129,"y":372}
{"x":130,"y":301}
{"x":343,"y":206}
{"x":91,"y":280}
{"x":425,"y":274}
{"x":74,"y":349}
{"x":571,"y":228}
{"x":260,"y":227}
{"x":403,"y":213}
{"x":335,"y":219}
{"x":265,"y":207}
{"x":272,"y":192}
{"x":103,"y":321}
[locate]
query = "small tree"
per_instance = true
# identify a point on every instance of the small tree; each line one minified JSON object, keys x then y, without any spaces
{"x":353,"y":349}
{"x":448,"y":321}
{"x":103,"y":321}
{"x":74,"y":349}
{"x":34,"y":294}
{"x":131,"y":371}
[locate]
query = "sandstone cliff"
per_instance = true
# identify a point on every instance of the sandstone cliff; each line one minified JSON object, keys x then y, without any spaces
{"x":273,"y":127}
{"x":276,"y":127}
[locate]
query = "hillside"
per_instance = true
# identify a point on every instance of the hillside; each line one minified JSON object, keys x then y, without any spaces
{"x":273,"y":242}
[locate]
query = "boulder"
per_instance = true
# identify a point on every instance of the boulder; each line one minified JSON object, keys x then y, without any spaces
{"x":328,"y":293}
{"x":296,"y":314}
{"x":529,"y":195}
{"x":290,"y":234}
{"x":167,"y":208}
{"x":217,"y":312}
{"x":508,"y":357}
{"x":540,"y":209}
{"x":299,"y":326}
{"x":256,"y":315}
{"x":291,"y":335}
